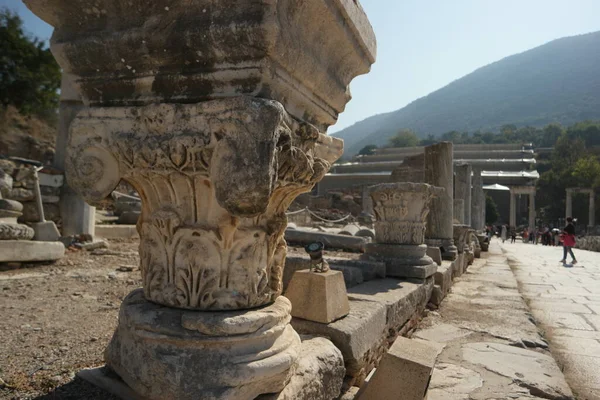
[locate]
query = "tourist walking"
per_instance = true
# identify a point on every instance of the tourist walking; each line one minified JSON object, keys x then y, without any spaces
{"x":568,"y":241}
{"x":513,"y":235}
{"x":504,"y":233}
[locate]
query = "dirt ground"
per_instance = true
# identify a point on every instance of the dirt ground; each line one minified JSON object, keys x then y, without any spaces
{"x":57,"y":319}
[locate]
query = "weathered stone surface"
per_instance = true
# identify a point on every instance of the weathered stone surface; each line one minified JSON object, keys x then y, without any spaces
{"x":349,"y":230}
{"x":116,"y":231}
{"x":318,"y":375}
{"x":45,"y":231}
{"x":401,"y":270}
{"x":534,"y":370}
{"x":265,"y":38}
{"x":141,"y":144}
{"x":129,"y":218}
{"x":10,"y":205}
{"x":330,"y":240}
{"x":435,"y":253}
{"x":355,"y":271}
{"x":19,"y":194}
{"x":6,"y":183}
{"x":30,"y":251}
{"x":359,"y":335}
{"x":30,"y":213}
{"x":319,"y":297}
{"x":166,"y":352}
{"x":401,"y":299}
{"x":451,"y":381}
{"x":404,"y":371}
{"x":401,"y":210}
{"x":439,"y":172}
{"x":15,"y":232}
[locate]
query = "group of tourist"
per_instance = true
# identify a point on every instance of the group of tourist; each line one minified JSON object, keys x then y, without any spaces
{"x":547,"y":236}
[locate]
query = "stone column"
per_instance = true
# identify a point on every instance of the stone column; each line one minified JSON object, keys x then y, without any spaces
{"x":592,"y":209}
{"x":532,"y":208}
{"x":217,"y":116}
{"x":569,"y":212}
{"x":77,"y":216}
{"x":459,"y":210}
{"x":439,"y":172}
{"x":513,"y":210}
{"x":478,"y":199}
{"x":462,"y":188}
{"x":401,"y":211}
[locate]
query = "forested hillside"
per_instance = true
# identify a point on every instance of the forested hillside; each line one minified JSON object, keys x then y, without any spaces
{"x":557,"y":82}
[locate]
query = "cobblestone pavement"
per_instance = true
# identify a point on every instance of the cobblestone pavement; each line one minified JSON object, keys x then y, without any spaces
{"x":565,"y":301}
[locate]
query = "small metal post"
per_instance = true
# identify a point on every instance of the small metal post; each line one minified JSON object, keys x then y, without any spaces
{"x":38,"y":193}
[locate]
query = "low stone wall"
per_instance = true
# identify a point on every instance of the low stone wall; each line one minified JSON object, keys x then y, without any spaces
{"x":591,"y":243}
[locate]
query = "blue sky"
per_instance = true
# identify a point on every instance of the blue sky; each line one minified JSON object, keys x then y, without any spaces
{"x":425,"y":44}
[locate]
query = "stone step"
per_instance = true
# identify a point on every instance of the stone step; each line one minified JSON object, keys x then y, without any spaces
{"x":379,"y":309}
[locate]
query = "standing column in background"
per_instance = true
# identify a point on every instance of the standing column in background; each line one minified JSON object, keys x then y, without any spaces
{"x":77,"y":216}
{"x":439,"y":172}
{"x":532,"y":209}
{"x":513,"y":210}
{"x":478,"y":199}
{"x":592,"y":210}
{"x":459,"y":211}
{"x":569,"y":212}
{"x":462,"y":189}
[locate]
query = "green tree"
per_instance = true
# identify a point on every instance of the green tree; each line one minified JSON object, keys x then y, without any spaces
{"x":586,"y":172}
{"x":404,"y":138}
{"x":428,"y":141}
{"x":367,"y":150}
{"x":491,"y":211}
{"x":29,"y":75}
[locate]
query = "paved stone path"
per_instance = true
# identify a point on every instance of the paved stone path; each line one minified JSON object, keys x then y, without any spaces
{"x":566,"y":304}
{"x":490,"y":348}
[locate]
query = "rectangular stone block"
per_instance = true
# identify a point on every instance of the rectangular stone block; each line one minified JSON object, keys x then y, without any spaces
{"x":319,"y":297}
{"x":397,"y":270}
{"x":404,"y":372}
{"x":358,"y":335}
{"x":402,"y":299}
{"x":435,"y":253}
{"x":443,"y":276}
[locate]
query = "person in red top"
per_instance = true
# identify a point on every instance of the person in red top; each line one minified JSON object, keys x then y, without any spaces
{"x":568,"y":241}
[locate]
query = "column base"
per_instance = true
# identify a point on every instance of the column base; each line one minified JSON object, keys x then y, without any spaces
{"x":319,"y":375}
{"x":402,"y":261}
{"x":168,"y":353}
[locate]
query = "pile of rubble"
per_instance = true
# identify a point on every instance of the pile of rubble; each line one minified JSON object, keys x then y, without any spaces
{"x":591,"y":243}
{"x":17,"y":183}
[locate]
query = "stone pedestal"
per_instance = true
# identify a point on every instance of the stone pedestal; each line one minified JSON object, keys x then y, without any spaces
{"x":439,"y":172}
{"x":318,"y":297}
{"x":247,"y":352}
{"x":217,"y":116}
{"x":401,"y":211}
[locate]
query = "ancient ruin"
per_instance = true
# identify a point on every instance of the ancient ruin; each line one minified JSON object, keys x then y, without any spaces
{"x":401,"y":211}
{"x":218,"y":135}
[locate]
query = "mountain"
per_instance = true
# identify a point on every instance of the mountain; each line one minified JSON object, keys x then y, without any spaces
{"x":555,"y":82}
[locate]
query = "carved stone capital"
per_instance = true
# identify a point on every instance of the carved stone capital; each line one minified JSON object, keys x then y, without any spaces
{"x":215,"y":180}
{"x":401,"y":211}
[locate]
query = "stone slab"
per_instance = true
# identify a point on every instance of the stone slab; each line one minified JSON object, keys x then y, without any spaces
{"x":537,"y":371}
{"x":116,"y":231}
{"x":357,"y":335}
{"x":402,"y":299}
{"x":404,"y":372}
{"x":398,"y":270}
{"x":319,"y":297}
{"x":30,"y":251}
{"x":331,"y":241}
